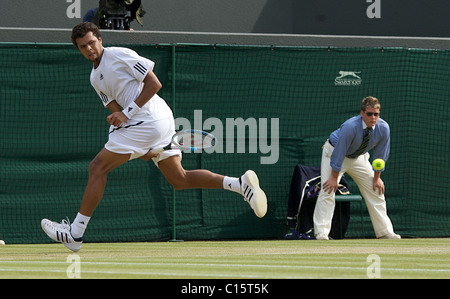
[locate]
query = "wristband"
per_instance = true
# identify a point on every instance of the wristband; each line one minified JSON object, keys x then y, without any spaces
{"x":131,"y":110}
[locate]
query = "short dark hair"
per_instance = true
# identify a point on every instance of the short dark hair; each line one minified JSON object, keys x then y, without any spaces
{"x":82,"y":29}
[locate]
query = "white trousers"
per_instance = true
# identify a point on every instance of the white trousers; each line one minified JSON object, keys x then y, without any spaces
{"x":362,"y":174}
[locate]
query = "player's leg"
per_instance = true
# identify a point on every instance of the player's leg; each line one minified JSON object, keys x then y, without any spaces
{"x":71,"y":235}
{"x":247,"y":185}
{"x":100,"y":166}
{"x":362,"y":174}
{"x":180,"y":178}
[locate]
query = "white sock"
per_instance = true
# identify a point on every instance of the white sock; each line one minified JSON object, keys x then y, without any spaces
{"x":79,"y":225}
{"x":232,"y":184}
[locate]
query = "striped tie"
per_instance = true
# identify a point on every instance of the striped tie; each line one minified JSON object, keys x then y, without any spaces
{"x":363,"y":145}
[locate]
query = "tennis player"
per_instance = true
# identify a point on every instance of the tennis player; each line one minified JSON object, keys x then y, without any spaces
{"x":139,"y":121}
{"x":347,"y":151}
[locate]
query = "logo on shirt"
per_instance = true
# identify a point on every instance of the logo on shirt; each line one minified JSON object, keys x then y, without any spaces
{"x":348,"y":78}
{"x":101,"y":76}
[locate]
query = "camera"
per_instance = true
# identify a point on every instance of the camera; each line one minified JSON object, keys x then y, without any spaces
{"x":118,"y":14}
{"x":116,"y":19}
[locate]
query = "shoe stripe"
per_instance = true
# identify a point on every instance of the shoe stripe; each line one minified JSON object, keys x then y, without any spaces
{"x":246,"y":188}
{"x":60,"y":237}
{"x":248,"y":194}
{"x":250,"y":197}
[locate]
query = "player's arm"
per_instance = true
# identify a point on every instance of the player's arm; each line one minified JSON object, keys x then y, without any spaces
{"x":113,"y":106}
{"x":151,"y":87}
{"x":115,"y":117}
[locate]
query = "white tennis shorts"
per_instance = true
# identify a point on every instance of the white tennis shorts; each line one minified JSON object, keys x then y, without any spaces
{"x":138,"y":137}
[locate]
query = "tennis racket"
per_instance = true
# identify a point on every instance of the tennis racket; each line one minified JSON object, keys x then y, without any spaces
{"x":189,"y":140}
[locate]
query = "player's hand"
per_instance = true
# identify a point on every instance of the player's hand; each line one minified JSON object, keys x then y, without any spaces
{"x":116,"y":119}
{"x":149,"y":155}
{"x":378,"y":183}
{"x":330,"y":185}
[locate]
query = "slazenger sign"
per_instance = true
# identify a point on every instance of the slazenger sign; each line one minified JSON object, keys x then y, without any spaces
{"x":348,"y":78}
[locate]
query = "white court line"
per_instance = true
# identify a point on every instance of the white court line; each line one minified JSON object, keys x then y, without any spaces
{"x":150,"y":273}
{"x":231,"y":265}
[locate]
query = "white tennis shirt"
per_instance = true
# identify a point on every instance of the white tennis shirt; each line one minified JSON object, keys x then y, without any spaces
{"x":120,"y":77}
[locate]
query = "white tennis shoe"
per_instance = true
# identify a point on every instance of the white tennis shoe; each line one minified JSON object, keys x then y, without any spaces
{"x":60,"y":232}
{"x":253,"y":194}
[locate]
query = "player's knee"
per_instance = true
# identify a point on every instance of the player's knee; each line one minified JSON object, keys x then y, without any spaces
{"x":174,"y":173}
{"x":93,"y":168}
{"x":96,"y":168}
{"x":179,"y":181}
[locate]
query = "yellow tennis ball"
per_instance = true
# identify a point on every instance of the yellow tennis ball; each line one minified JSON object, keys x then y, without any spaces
{"x":378,"y":164}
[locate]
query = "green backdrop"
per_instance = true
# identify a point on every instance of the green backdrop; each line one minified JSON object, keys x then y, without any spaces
{"x":52,"y":124}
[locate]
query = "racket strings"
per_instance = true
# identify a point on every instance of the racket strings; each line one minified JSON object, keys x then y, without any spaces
{"x":196,"y":139}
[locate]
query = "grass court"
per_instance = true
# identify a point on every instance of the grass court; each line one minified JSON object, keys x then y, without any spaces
{"x":267,"y":259}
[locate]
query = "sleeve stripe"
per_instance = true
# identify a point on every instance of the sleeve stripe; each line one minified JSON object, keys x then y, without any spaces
{"x":140,"y":68}
{"x":104,"y":97}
